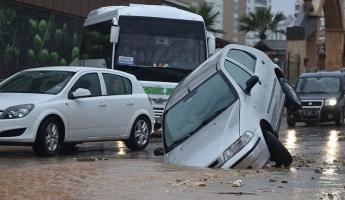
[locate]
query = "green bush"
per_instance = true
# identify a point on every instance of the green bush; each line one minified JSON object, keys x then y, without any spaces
{"x":63,"y":62}
{"x":75,"y":53}
{"x":42,"y":27}
{"x":37,"y":42}
{"x":32,"y":26}
{"x":54,"y":58}
{"x":43,"y":57}
{"x":31,"y":56}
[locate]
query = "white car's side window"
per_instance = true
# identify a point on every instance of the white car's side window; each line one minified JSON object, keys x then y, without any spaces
{"x":117,"y":85}
{"x":89,"y":82}
{"x":244,"y":58}
{"x":237,"y":73}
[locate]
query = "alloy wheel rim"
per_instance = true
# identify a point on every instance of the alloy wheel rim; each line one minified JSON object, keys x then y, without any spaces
{"x":141,"y":132}
{"x":52,"y":136}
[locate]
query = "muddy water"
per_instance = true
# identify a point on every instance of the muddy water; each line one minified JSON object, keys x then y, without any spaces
{"x":108,"y":170}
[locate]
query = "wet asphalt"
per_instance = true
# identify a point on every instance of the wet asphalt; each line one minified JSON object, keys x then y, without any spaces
{"x":105,"y":170}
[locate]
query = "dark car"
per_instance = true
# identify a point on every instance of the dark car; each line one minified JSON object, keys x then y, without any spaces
{"x":323,"y":98}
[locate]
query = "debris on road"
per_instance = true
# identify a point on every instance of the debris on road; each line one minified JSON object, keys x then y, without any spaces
{"x":317,"y":171}
{"x":272,"y":180}
{"x":198,"y":183}
{"x":284,"y":181}
{"x":310,"y":160}
{"x":86,"y":159}
{"x":237,"y":183}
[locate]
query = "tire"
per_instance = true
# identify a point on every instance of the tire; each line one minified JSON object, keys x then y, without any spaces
{"x":49,"y":138}
{"x":339,"y":121}
{"x":291,"y":123}
{"x":279,"y":154}
{"x":292,"y":102}
{"x":140,"y":134}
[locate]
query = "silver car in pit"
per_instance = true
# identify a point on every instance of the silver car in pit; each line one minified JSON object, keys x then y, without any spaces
{"x":227,"y":112}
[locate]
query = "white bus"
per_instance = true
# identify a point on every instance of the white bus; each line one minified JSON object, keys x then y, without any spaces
{"x":160,"y":45}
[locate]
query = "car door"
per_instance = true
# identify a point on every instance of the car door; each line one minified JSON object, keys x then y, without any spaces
{"x":86,"y":114}
{"x":120,"y":103}
{"x":249,"y":63}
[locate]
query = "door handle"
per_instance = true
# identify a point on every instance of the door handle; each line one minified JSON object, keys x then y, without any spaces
{"x":129,"y":103}
{"x":102,"y":104}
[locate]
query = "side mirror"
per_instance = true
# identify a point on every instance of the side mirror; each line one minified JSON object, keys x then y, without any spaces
{"x":158,"y":151}
{"x":211,"y":43}
{"x":80,"y":93}
{"x":251,"y":83}
{"x":114,"y":34}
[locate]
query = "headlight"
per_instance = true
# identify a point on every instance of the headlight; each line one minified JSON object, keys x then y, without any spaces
{"x":16,"y":112}
{"x":238,"y":145}
{"x":331,"y":102}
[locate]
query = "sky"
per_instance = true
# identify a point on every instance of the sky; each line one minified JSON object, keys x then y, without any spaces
{"x":285,"y":6}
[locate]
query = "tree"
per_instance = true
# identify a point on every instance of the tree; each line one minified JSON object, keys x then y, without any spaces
{"x":210,"y":16}
{"x":261,"y":21}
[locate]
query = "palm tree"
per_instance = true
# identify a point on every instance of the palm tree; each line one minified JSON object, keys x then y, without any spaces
{"x":261,"y":21}
{"x":210,"y":16}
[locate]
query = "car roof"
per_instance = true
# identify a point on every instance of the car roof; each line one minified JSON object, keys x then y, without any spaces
{"x":79,"y":69}
{"x":322,"y":74}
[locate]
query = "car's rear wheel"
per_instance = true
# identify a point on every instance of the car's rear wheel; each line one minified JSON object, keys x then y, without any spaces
{"x":293,"y":102}
{"x":291,"y":123}
{"x":49,"y":137}
{"x":140,"y":134}
{"x":339,"y":121}
{"x":279,"y":154}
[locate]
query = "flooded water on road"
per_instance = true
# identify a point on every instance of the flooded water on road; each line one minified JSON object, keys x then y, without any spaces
{"x":105,"y":170}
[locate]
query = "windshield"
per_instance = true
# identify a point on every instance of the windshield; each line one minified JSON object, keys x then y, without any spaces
{"x":96,"y":42}
{"x":157,"y":42}
{"x":40,"y":82}
{"x":317,"y":85}
{"x":197,"y":109}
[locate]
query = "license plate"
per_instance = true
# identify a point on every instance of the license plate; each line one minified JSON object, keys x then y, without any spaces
{"x":309,"y":112}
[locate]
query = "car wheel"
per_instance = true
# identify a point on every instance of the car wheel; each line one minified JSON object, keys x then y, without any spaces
{"x":293,"y":102}
{"x":279,"y":154}
{"x":48,"y":139}
{"x":340,"y":119}
{"x":140,"y":134}
{"x":291,"y":123}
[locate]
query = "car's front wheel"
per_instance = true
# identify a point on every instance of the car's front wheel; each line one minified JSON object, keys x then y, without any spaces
{"x":140,"y":134}
{"x":279,"y":154}
{"x":291,"y":123}
{"x":293,"y":102}
{"x":339,"y":121}
{"x":48,"y":139}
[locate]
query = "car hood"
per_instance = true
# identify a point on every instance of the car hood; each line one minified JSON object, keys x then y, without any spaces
{"x":317,"y":96}
{"x":13,"y":99}
{"x":208,"y":144}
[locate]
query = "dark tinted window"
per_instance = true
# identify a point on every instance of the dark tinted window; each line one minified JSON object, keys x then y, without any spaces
{"x":117,"y":85}
{"x":96,"y":42}
{"x":237,"y":73}
{"x":43,"y":82}
{"x":244,"y":58}
{"x":318,"y":85}
{"x":89,"y":82}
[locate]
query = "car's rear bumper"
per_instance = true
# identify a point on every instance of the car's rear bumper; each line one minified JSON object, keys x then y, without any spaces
{"x":324,"y":114}
{"x":253,"y":155}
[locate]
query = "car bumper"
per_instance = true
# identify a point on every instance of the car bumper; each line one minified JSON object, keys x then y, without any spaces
{"x":253,"y":155}
{"x":17,"y":131}
{"x":324,"y":114}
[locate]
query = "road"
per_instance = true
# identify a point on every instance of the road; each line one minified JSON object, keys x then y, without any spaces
{"x":107,"y":170}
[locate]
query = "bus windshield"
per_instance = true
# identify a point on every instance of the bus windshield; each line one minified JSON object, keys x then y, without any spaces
{"x":153,"y":49}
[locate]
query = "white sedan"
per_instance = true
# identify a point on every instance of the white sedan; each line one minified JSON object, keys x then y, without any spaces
{"x":55,"y":106}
